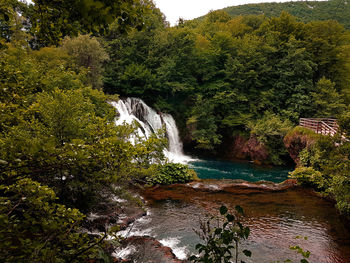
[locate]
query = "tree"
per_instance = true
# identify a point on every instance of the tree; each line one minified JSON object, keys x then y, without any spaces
{"x":89,"y":54}
{"x":202,"y":124}
{"x":51,"y":21}
{"x":69,"y":142}
{"x":327,"y":100}
{"x":270,"y":131}
{"x":35,"y":228}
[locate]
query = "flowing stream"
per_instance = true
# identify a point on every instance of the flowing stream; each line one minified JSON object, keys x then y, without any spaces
{"x":275,"y":218}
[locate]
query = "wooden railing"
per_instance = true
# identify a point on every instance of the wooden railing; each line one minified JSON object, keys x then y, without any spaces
{"x":325,"y":126}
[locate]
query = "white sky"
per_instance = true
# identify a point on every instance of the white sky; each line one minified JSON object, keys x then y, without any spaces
{"x":189,"y":9}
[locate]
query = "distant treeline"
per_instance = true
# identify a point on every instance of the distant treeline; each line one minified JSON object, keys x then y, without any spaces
{"x":306,"y":11}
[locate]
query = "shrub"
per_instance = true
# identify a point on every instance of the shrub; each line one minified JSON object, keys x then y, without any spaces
{"x":171,"y":173}
{"x":35,"y":228}
{"x":221,"y":242}
{"x":308,"y":176}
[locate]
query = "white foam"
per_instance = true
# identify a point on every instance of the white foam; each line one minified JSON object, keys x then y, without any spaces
{"x":173,"y":242}
{"x":208,"y":169}
{"x":92,"y":216}
{"x":124,"y":252}
{"x":131,"y":231}
{"x":178,"y":158}
{"x":213,"y":187}
{"x":119,"y":200}
{"x":138,"y":227}
{"x":197,"y":185}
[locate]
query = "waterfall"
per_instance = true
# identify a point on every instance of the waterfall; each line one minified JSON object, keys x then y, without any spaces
{"x":134,"y":109}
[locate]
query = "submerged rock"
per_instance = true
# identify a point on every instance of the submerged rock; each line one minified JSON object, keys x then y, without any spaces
{"x":121,"y":213}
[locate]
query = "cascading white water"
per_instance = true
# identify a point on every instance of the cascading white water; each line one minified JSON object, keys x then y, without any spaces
{"x":134,"y":109}
{"x":175,"y":144}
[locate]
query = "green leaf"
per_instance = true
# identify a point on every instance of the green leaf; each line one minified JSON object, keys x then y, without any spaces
{"x":223,"y":210}
{"x":230,"y":218}
{"x":248,"y":253}
{"x":239,"y":209}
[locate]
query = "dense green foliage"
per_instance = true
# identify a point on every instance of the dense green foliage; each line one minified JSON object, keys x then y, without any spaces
{"x":270,"y":130}
{"x":50,"y":21}
{"x":325,"y":165}
{"x":306,"y":11}
{"x":89,"y":54}
{"x":61,"y":155}
{"x":60,"y":134}
{"x":34,"y":228}
{"x":172,"y":173}
{"x":221,"y":75}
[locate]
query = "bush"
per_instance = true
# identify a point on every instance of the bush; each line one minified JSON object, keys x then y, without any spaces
{"x":340,"y":189}
{"x":270,"y":131}
{"x":35,"y":228}
{"x":308,"y":176}
{"x":171,"y":173}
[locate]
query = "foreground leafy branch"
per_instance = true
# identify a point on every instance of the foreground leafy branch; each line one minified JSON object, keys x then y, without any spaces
{"x":222,"y":242}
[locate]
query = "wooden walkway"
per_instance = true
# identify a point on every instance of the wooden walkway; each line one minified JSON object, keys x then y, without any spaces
{"x":325,"y":126}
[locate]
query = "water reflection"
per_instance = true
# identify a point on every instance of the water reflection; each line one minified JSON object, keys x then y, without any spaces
{"x":275,"y":219}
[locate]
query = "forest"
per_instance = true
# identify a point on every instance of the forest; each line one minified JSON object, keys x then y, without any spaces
{"x":306,"y":11}
{"x":234,"y":75}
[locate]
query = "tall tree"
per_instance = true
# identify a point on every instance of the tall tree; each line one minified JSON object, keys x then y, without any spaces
{"x":51,"y":21}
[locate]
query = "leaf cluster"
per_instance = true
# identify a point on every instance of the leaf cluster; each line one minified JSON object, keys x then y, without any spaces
{"x":221,"y":242}
{"x":171,"y":173}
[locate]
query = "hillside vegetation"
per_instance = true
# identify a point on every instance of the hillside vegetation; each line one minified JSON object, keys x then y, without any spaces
{"x":306,"y":11}
{"x":221,"y":77}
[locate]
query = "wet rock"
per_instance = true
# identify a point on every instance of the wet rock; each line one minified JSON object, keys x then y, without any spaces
{"x":242,"y":148}
{"x":122,"y":214}
{"x":147,"y":249}
{"x":195,"y":191}
{"x":228,"y":185}
{"x":297,"y":140}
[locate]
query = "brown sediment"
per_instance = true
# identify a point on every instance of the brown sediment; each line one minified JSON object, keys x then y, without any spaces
{"x":222,"y":185}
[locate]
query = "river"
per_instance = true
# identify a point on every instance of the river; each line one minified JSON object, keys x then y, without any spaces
{"x":275,"y":218}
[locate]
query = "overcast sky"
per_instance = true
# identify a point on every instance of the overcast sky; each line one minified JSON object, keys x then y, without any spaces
{"x":189,"y":9}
